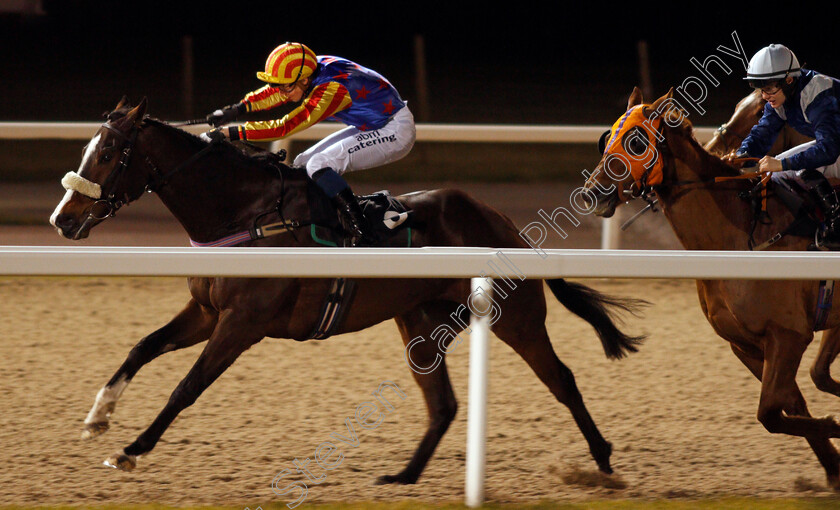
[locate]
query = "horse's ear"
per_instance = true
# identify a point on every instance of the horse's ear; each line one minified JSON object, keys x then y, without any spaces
{"x":136,"y":114}
{"x":635,"y":98}
{"x":655,"y":106}
{"x":123,"y":102}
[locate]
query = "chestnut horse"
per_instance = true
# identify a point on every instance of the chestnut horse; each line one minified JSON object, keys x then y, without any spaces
{"x":727,"y":138}
{"x":769,"y":323}
{"x":215,"y":190}
{"x":748,"y":112}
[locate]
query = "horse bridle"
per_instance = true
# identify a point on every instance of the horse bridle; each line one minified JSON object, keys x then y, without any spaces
{"x":157,"y":179}
{"x":112,"y":181}
{"x":103,"y":208}
{"x":724,"y":129}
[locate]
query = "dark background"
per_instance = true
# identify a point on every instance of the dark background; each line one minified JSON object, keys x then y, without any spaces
{"x":525,"y":63}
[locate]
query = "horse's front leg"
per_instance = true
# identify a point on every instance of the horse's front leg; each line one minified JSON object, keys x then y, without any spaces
{"x":779,"y":391}
{"x":194,"y":324}
{"x":234,"y":334}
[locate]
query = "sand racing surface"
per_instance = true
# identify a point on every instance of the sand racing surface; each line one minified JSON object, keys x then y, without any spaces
{"x":680,"y":413}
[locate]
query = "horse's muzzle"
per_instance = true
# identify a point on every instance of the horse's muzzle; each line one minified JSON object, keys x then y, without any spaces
{"x":70,"y":227}
{"x":604,"y":204}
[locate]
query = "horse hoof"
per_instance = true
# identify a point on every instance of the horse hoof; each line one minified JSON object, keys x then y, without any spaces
{"x":602,"y":458}
{"x":94,"y":429}
{"x":605,"y":467}
{"x":121,"y":461}
{"x":389,"y":479}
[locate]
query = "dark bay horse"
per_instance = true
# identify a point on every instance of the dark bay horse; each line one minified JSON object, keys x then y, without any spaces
{"x":215,"y":190}
{"x":769,"y":323}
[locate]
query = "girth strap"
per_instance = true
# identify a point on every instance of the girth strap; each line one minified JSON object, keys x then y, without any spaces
{"x":338,"y":301}
{"x":824,"y":298}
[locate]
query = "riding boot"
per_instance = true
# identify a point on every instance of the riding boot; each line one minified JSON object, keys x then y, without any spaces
{"x":826,"y":200}
{"x":345,"y":201}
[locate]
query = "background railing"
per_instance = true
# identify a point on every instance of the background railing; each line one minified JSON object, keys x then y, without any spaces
{"x":484,"y":133}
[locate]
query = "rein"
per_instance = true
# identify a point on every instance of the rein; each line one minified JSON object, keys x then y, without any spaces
{"x":640,"y":189}
{"x":162,"y":179}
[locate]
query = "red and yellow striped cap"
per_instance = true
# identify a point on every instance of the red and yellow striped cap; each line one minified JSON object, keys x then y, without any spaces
{"x":288,"y":63}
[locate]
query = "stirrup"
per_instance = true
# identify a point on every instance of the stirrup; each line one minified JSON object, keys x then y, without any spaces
{"x":358,"y":228}
{"x":823,"y":241}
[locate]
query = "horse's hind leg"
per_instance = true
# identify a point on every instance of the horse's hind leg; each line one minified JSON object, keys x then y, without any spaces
{"x":233,"y":335}
{"x":522,"y":326}
{"x":194,"y":324}
{"x":821,"y":369}
{"x":429,"y":371}
{"x":823,"y":448}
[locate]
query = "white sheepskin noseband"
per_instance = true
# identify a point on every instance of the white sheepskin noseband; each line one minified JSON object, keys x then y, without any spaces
{"x":77,"y":183}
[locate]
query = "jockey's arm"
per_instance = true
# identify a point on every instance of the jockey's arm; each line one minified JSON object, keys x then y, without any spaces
{"x":325,"y":100}
{"x":824,"y":114}
{"x":758,"y":143}
{"x":263,"y":98}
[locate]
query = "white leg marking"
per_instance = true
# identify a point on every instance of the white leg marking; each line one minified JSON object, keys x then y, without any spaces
{"x":106,"y":400}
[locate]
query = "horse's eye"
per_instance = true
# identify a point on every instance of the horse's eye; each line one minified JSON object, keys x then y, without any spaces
{"x":106,"y":157}
{"x":638,"y":142}
{"x":637,"y":146}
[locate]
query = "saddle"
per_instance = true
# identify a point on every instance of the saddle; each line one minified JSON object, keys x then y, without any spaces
{"x":389,"y":219}
{"x":807,"y":215}
{"x":807,"y":220}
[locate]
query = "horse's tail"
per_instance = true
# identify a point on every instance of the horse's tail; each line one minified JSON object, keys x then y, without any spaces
{"x":599,"y":310}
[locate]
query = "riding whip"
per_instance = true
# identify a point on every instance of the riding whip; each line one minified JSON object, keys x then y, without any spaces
{"x":192,"y":122}
{"x":629,"y":222}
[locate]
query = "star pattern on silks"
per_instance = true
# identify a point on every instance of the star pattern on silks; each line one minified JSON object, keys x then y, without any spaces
{"x":383,"y":83}
{"x":362,"y":92}
{"x":388,"y":107}
{"x":341,"y":76}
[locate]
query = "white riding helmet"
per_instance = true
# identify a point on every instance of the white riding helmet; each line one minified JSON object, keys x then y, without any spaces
{"x":772,"y":63}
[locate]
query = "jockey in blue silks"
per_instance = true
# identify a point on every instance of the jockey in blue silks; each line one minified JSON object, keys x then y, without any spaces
{"x":809,"y":102}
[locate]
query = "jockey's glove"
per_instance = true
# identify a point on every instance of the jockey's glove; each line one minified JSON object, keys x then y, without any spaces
{"x":226,"y":115}
{"x":213,"y":136}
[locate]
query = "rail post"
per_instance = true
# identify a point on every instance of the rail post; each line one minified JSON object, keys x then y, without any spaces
{"x":477,"y":407}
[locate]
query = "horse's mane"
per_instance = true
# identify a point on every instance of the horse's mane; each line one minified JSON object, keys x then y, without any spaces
{"x":249,"y":154}
{"x":687,"y":130}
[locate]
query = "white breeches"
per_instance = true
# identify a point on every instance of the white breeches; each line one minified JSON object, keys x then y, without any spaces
{"x":831,"y":171}
{"x":351,"y":149}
